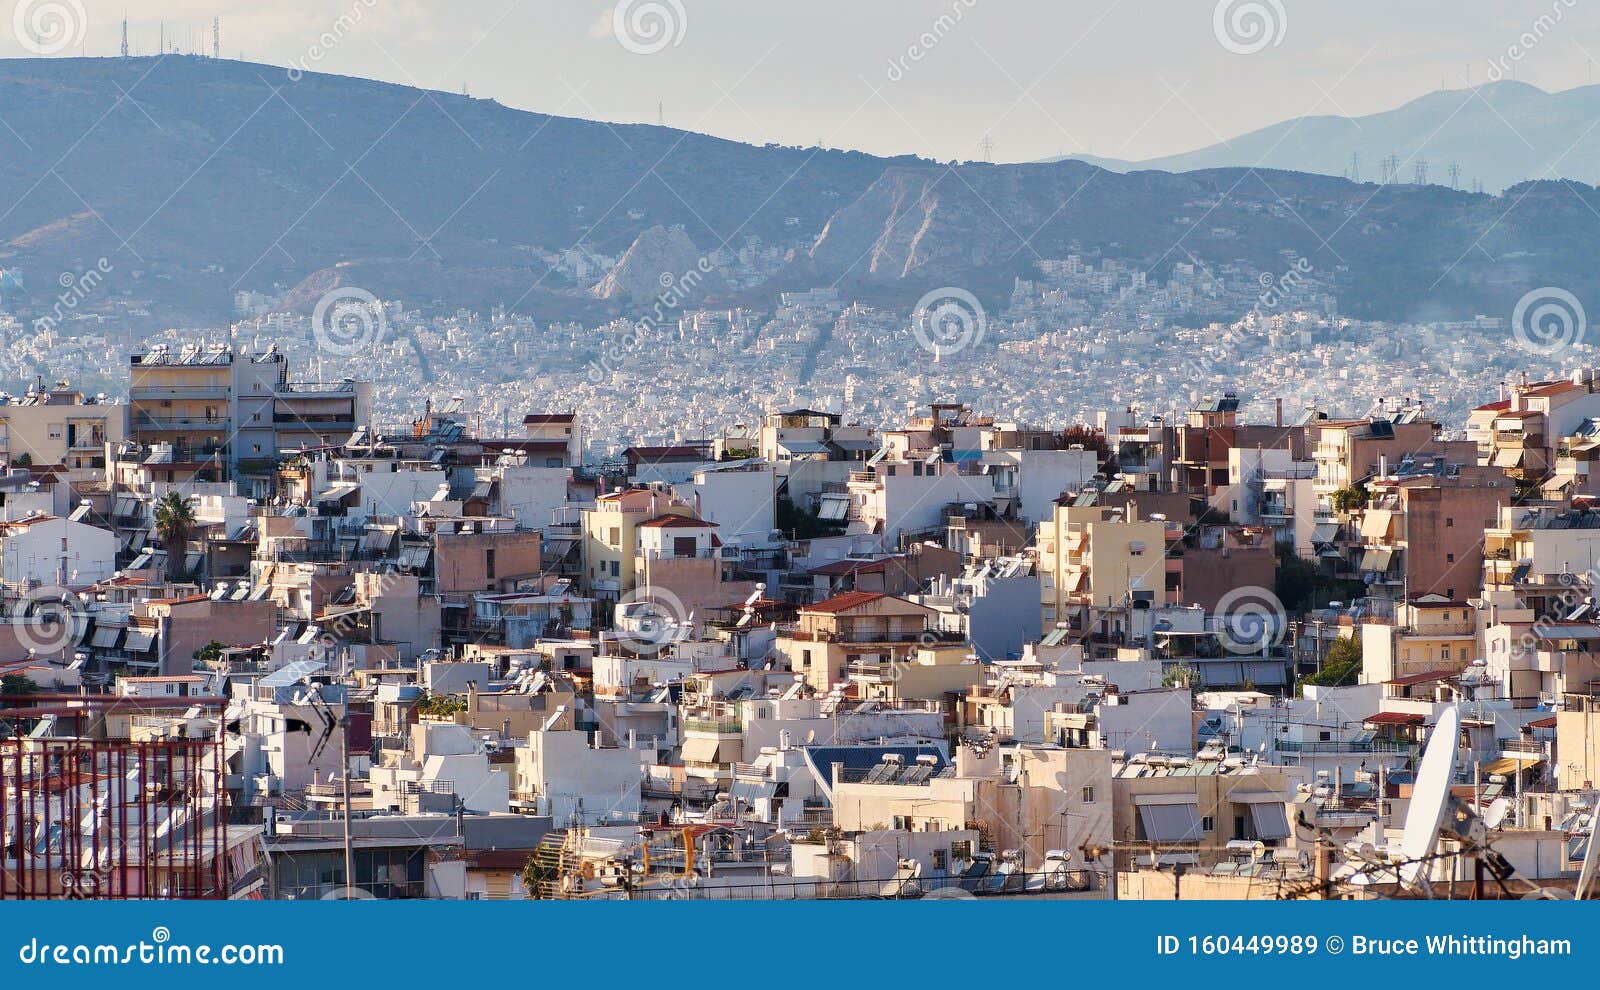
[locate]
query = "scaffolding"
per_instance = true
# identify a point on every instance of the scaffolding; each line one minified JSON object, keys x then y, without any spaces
{"x":85,"y":818}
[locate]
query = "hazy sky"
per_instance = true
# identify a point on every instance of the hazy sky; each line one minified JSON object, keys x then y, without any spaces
{"x":1123,"y":78}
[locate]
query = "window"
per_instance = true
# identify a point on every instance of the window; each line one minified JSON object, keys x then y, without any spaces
{"x":1449,"y":523}
{"x":961,"y":850}
{"x":1444,"y":654}
{"x":1325,"y":735}
{"x":614,"y":537}
{"x":1208,"y":824}
{"x":1449,"y":558}
{"x":488,"y":563}
{"x":938,"y":859}
{"x":1088,"y":795}
{"x":901,"y":822}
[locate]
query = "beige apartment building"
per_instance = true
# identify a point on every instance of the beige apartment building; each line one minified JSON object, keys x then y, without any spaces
{"x":1099,"y":557}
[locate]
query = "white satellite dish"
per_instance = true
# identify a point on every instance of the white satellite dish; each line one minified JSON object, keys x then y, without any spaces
{"x":1498,"y":808}
{"x":1590,"y":862}
{"x":1430,"y":796}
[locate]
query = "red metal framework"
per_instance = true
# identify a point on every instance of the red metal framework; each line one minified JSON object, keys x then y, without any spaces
{"x":112,"y":818}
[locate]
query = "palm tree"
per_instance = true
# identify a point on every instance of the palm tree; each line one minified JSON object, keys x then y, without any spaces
{"x":173,"y":519}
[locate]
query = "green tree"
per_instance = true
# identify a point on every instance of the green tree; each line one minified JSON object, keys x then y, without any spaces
{"x":18,"y":684}
{"x":1341,"y":667}
{"x":1350,"y":498}
{"x":174,"y":519}
{"x":210,"y":653}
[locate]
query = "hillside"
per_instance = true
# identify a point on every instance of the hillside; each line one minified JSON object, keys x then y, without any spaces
{"x":1500,"y":134}
{"x":213,"y":176}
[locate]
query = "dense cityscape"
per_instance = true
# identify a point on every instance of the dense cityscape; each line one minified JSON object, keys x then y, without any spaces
{"x":409,"y":496}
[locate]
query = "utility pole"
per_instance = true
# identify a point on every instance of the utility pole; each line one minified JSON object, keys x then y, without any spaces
{"x":344,"y":773}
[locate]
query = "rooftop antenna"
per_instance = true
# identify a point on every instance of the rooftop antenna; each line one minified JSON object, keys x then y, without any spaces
{"x":1430,"y":797}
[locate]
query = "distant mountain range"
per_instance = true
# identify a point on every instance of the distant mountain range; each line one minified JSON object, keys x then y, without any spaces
{"x":197,"y":178}
{"x":1499,"y":134}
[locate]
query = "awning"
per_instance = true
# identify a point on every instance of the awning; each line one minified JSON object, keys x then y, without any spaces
{"x":139,"y":640}
{"x":1325,"y":532}
{"x":696,"y":750}
{"x":1170,"y":822}
{"x":339,"y":491}
{"x":1271,"y":821}
{"x":105,"y":637}
{"x":1375,"y":523}
{"x":1507,"y":457}
{"x":1511,"y":764}
{"x":834,"y":506}
{"x":1377,"y":561}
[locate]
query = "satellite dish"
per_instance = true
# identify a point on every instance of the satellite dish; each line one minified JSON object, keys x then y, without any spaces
{"x":1429,"y":796}
{"x":1586,"y":874}
{"x":811,"y":736}
{"x":1496,"y":813}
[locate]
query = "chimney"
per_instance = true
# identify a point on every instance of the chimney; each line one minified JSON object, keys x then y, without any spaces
{"x":1277,"y":405}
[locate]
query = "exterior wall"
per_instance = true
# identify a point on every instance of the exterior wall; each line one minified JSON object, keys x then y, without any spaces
{"x":461,"y":560}
{"x":57,"y":551}
{"x":1444,"y":536}
{"x":743,"y":503}
{"x":190,"y":625}
{"x":531,"y":495}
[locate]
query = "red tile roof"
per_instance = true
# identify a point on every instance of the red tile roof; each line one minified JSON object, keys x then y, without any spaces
{"x":845,"y":602}
{"x":670,"y":521}
{"x":1395,"y":718}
